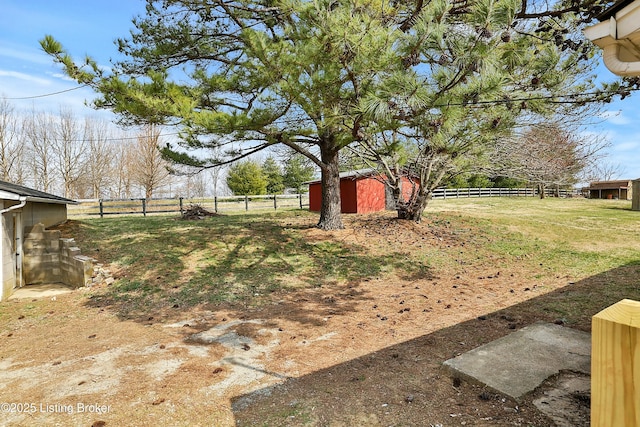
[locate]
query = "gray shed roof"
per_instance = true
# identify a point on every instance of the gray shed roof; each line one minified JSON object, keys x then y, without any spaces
{"x":9,"y":191}
{"x":354,"y":174}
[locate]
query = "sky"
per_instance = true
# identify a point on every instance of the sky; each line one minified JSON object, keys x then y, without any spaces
{"x":91,"y":26}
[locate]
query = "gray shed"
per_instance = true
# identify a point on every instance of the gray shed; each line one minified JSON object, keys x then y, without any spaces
{"x":23,"y":208}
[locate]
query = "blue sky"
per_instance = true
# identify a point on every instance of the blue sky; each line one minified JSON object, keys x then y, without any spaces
{"x":82,"y":26}
{"x":91,"y":26}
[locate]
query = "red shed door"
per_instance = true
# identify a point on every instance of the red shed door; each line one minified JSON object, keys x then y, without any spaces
{"x":315,"y":197}
{"x":348,"y":196}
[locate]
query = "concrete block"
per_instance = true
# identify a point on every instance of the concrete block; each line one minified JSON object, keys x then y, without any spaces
{"x":49,"y":258}
{"x":518,"y":363}
{"x":73,"y":251}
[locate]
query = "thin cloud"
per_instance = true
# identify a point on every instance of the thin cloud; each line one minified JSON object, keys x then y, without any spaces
{"x":25,"y":54}
{"x":615,"y":118}
{"x":62,"y":76}
{"x":628,"y":143}
{"x":25,"y":77}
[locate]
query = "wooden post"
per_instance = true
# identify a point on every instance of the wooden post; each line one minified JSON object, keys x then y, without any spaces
{"x":215,"y":204}
{"x":635,"y":195}
{"x":246,"y":203}
{"x":615,"y":366}
{"x":181,"y":207}
{"x":101,"y":209}
{"x":144,"y":207}
{"x":275,"y":202}
{"x":300,"y":196}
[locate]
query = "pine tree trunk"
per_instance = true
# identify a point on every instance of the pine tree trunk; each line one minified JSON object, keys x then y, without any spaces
{"x":330,"y":210}
{"x":412,"y":209}
{"x":410,"y":205}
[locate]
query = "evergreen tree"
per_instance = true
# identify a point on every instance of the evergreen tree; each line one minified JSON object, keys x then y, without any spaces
{"x":273,"y":174}
{"x":246,"y":178}
{"x":296,"y":172}
{"x":322,"y":76}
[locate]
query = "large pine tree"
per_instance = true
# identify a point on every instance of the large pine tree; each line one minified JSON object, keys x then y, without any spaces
{"x":319,"y":76}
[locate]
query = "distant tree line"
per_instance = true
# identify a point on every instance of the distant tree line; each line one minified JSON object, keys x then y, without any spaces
{"x":250,"y":177}
{"x":427,"y":89}
{"x":87,"y":157}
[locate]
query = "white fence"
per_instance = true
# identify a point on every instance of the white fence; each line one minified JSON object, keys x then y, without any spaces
{"x":450,"y":193}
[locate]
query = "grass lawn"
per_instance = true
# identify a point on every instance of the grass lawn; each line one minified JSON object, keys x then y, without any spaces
{"x":263,"y":319}
{"x":245,"y":259}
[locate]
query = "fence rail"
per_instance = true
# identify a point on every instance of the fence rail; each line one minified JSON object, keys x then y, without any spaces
{"x":451,"y":193}
{"x":107,"y":207}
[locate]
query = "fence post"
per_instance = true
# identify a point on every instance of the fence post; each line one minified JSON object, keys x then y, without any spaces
{"x":300,"y":196}
{"x":615,"y":365}
{"x":275,"y":202}
{"x":101,"y":209}
{"x":181,"y":209}
{"x":246,"y":203}
{"x":215,"y":204}
{"x":144,"y":207}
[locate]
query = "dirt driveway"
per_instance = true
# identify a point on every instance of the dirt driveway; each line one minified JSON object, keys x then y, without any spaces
{"x":342,"y":355}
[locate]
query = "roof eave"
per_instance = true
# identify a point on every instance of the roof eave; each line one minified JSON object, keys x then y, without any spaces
{"x":6,"y":195}
{"x":618,"y":35}
{"x":53,"y":201}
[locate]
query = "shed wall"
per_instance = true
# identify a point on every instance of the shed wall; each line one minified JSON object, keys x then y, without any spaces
{"x":407,"y":187}
{"x":48,"y":214}
{"x":361,"y":195}
{"x":370,"y":195}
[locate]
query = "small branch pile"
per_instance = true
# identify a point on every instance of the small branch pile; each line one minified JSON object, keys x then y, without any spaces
{"x":193,"y":212}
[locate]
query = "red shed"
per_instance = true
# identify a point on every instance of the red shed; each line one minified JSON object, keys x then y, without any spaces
{"x":361,"y":191}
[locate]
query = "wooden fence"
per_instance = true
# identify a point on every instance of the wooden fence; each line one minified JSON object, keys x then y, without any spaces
{"x":454,"y":193}
{"x":106,"y":207}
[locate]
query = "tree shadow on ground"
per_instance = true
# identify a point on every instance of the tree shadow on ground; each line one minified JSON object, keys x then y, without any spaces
{"x":406,"y":384}
{"x":235,"y":262}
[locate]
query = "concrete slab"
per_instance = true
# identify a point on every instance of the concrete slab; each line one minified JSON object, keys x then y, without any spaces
{"x":518,"y":363}
{"x":40,"y":291}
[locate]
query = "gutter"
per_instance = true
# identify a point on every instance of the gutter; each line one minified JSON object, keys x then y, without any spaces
{"x":611,"y":57}
{"x":619,"y":27}
{"x":23,"y":201}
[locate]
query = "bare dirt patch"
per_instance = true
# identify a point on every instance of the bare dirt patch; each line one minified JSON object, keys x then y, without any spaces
{"x":361,"y":353}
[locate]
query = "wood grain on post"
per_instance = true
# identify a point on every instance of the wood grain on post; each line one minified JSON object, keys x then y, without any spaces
{"x":615,"y":366}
